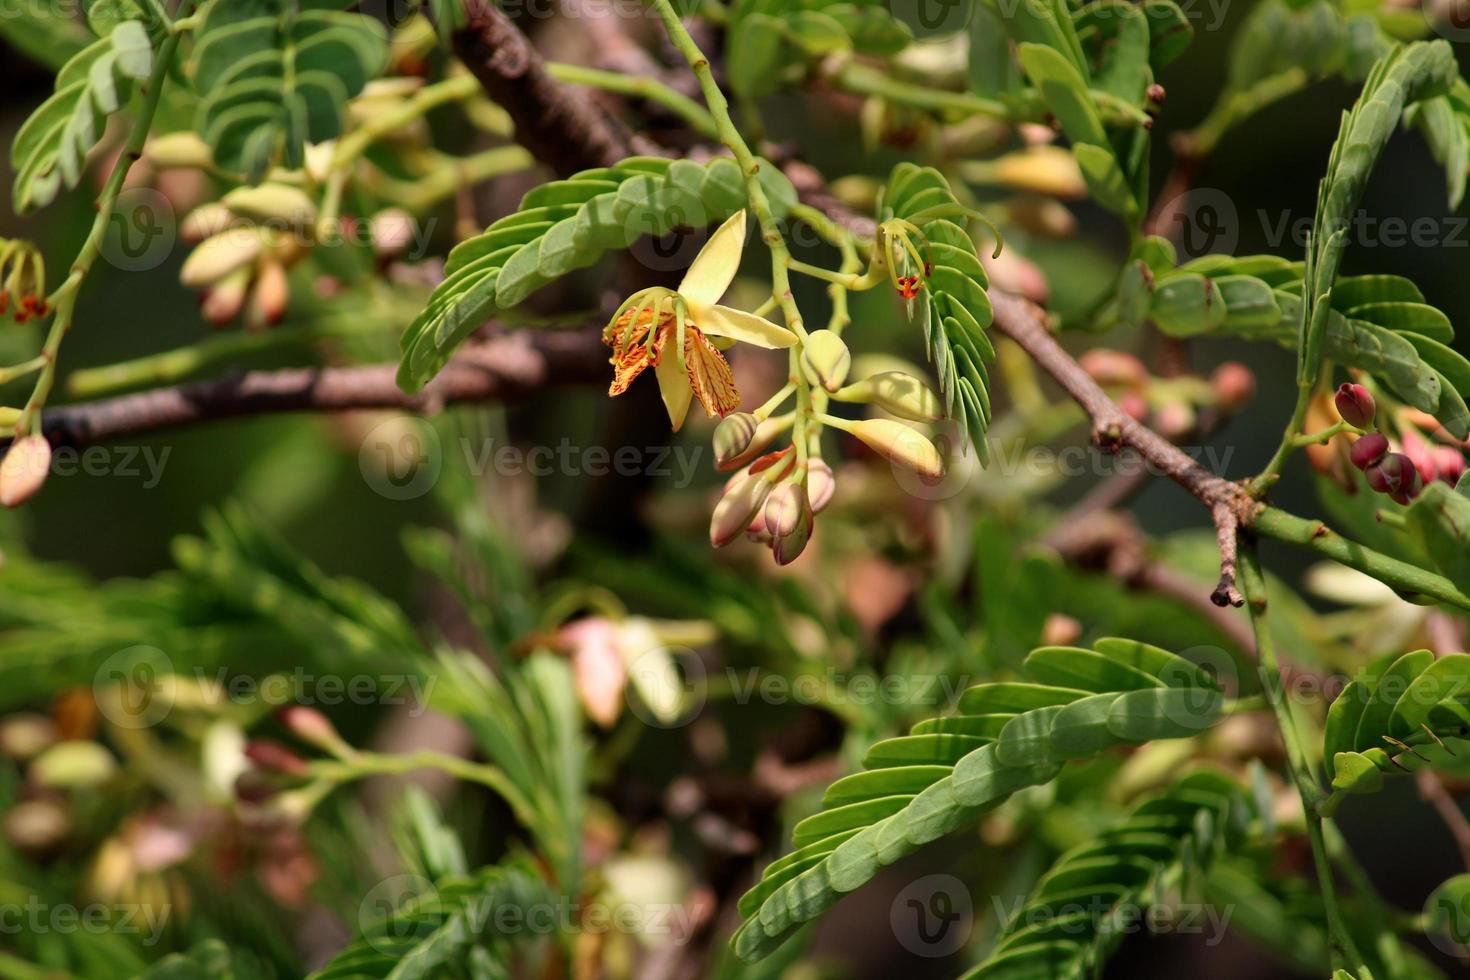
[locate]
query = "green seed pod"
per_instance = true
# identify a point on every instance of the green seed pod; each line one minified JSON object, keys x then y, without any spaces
{"x":827,"y":357}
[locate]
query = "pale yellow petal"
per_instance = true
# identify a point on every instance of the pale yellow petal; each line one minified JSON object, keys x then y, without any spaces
{"x":713,"y":269}
{"x":747,"y":328}
{"x":673,"y":385}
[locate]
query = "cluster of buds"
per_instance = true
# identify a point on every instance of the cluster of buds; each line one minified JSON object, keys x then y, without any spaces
{"x":1173,"y":403}
{"x":22,"y":281}
{"x":245,"y":244}
{"x":1387,"y":472}
{"x":774,"y":501}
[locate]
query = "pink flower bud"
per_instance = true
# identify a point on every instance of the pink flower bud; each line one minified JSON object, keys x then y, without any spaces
{"x":1355,"y":405}
{"x":821,"y":484}
{"x":275,"y":757}
{"x":1134,"y":405}
{"x":743,"y":497}
{"x":1114,"y":368}
{"x":1234,"y":385}
{"x":784,"y":509}
{"x":597,"y":665}
{"x":1368,"y":450}
{"x":24,"y":470}
{"x":1396,"y":476}
{"x":1450,"y":463}
{"x":1422,"y":454}
{"x":310,"y":725}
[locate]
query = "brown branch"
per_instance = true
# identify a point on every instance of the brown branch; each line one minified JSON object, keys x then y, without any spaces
{"x":559,"y":125}
{"x":1432,"y":790}
{"x":1112,"y":428}
{"x":504,"y":368}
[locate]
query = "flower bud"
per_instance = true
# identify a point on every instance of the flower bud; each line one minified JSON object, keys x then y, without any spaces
{"x":1355,"y":405}
{"x":25,"y":734}
{"x":392,"y":232}
{"x":1175,"y":420}
{"x":821,"y":484}
{"x":827,"y":357}
{"x":73,"y":764}
{"x":743,"y":497}
{"x":896,"y":393}
{"x":1234,"y":385}
{"x":183,"y":149}
{"x":272,"y":294}
{"x":273,"y":204}
{"x":37,"y":825}
{"x":225,"y":299}
{"x":900,"y":444}
{"x":1450,"y":463}
{"x":784,"y":508}
{"x":1114,"y":368}
{"x":204,"y":222}
{"x":1042,"y":216}
{"x":312,"y":727}
{"x":218,"y":256}
{"x":733,"y":436}
{"x":1134,"y":405}
{"x":786,"y":548}
{"x":275,"y":757}
{"x":24,"y":469}
{"x":1048,"y":169}
{"x":1421,"y":453}
{"x":1012,"y":271}
{"x":1368,"y":450}
{"x":1396,"y":476}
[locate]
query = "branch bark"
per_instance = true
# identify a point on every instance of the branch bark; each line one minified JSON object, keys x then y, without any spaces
{"x":502,"y":369}
{"x":561,"y":127}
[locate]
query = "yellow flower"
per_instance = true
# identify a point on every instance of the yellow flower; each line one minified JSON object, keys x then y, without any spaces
{"x":692,"y":314}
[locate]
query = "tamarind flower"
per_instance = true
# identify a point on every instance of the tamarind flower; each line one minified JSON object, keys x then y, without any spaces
{"x":22,"y":280}
{"x":690,"y":315}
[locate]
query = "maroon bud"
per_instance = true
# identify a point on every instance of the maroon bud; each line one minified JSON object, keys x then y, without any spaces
{"x":1156,"y":93}
{"x":275,"y":757}
{"x":1355,"y":405}
{"x":1368,"y":450}
{"x":1396,"y":476}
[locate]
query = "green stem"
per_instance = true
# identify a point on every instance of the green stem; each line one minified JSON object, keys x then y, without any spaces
{"x":1316,"y":536}
{"x":448,"y":174}
{"x":1264,"y":480}
{"x":640,"y":86}
{"x":64,"y":300}
{"x":1201,"y":141}
{"x":362,"y":765}
{"x":1344,"y":951}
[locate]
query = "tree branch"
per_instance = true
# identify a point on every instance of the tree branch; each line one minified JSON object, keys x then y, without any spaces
{"x":504,"y":368}
{"x":559,"y":125}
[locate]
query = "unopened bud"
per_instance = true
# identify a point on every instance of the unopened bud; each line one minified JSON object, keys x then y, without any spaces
{"x":733,"y":436}
{"x":1421,"y":454}
{"x":73,"y":764}
{"x":312,"y":727}
{"x":1234,"y":385}
{"x":897,"y":393}
{"x":1042,"y":216}
{"x":1134,"y":405}
{"x":273,"y":204}
{"x":275,"y":757}
{"x":1396,"y":476}
{"x":743,"y":497}
{"x":24,"y":469}
{"x":1175,"y":420}
{"x":786,"y":548}
{"x":1355,"y":405}
{"x":1059,"y":630}
{"x":218,"y":256}
{"x":183,"y":149}
{"x":392,"y":232}
{"x":272,"y":294}
{"x":25,"y":734}
{"x":204,"y":222}
{"x":1047,"y":169}
{"x":784,"y":508}
{"x":1114,"y":368}
{"x":821,"y":484}
{"x":1012,"y":271}
{"x":827,"y":357}
{"x":900,"y":444}
{"x":1368,"y":450}
{"x":37,"y":825}
{"x":1450,"y":463}
{"x":224,"y":300}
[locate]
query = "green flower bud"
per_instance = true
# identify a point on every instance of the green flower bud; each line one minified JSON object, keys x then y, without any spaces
{"x":220,"y":255}
{"x":73,"y":764}
{"x":896,"y":393}
{"x":827,"y":357}
{"x":274,"y":204}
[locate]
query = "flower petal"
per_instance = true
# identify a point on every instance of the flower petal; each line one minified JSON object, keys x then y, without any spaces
{"x":710,"y":377}
{"x":713,"y":269}
{"x":673,"y":385}
{"x":723,"y":321}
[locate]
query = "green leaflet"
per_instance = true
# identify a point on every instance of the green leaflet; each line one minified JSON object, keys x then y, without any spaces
{"x":953,"y":307}
{"x":1007,"y":736}
{"x":1403,"y":76}
{"x":567,"y":225}
{"x":1059,"y":934}
{"x":1396,"y":716}
{"x":768,"y":38}
{"x":51,"y":147}
{"x":1440,"y":519}
{"x":1376,"y":323}
{"x":272,"y":79}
